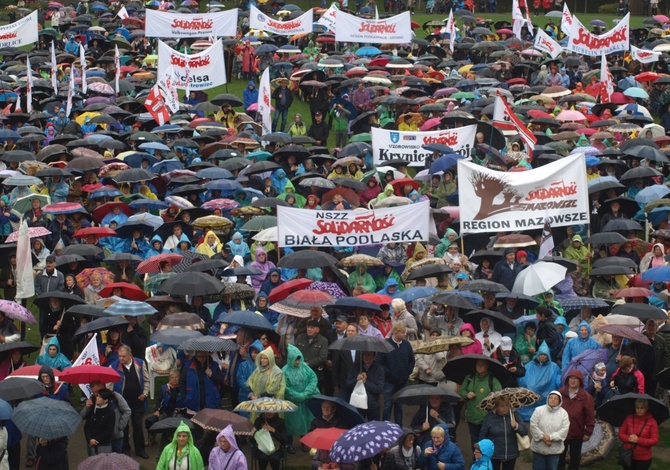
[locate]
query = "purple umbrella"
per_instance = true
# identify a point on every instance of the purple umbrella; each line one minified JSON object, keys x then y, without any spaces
{"x":329,"y":287}
{"x":365,"y":441}
{"x":584,"y":363}
{"x":16,"y":311}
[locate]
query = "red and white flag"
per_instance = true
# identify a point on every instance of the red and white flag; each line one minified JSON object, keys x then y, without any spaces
{"x":156,"y":106}
{"x":25,"y":281}
{"x":117,"y":69}
{"x":606,"y":85}
{"x":123,"y":13}
{"x":547,"y":243}
{"x":264,"y":102}
{"x":504,"y":118}
{"x":29,"y":87}
{"x":451,"y":30}
{"x":88,"y":357}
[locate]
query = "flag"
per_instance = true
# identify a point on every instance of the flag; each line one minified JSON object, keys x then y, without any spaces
{"x":70,"y":94}
{"x":82,"y":60}
{"x":117,"y":68}
{"x":54,"y":69}
{"x":504,"y":118}
{"x":264,"y":100}
{"x":566,"y":20}
{"x":29,"y":87}
{"x":547,"y":243}
{"x":516,"y":11}
{"x":88,"y":357}
{"x":451,"y":30}
{"x":123,"y":13}
{"x":17,"y":107}
{"x":168,"y":85}
{"x":545,"y":43}
{"x":187,"y":81}
{"x":644,"y":56}
{"x":25,"y":281}
{"x":376,"y":13}
{"x":606,"y":86}
{"x":155,"y":104}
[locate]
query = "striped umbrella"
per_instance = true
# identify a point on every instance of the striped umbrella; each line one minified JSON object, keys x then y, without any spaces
{"x":209,"y":344}
{"x":155,"y":281}
{"x":179,"y":201}
{"x":130,"y":308}
{"x":64,"y":208}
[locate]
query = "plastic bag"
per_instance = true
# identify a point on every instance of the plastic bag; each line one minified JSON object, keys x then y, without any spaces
{"x":359,"y":397}
{"x":264,"y":442}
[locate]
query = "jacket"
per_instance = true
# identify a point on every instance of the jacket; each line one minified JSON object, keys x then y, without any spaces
{"x":484,"y":462}
{"x":541,"y":378}
{"x":374,"y":384}
{"x":553,"y":421}
{"x":140,"y":370}
{"x":578,"y":345}
{"x":512,"y":361}
{"x":170,"y":459}
{"x":581,"y":408}
{"x":189,"y":383}
{"x":503,"y":274}
{"x":45,"y":283}
{"x":448,"y":453}
{"x":499,"y":430}
{"x":647,"y":437}
{"x":319,"y":131}
{"x":394,"y":459}
{"x":288,"y":98}
{"x":398,"y":364}
{"x":100,"y":424}
{"x":482,"y":387}
{"x":314,"y":353}
{"x":234,"y":459}
{"x":250,"y":96}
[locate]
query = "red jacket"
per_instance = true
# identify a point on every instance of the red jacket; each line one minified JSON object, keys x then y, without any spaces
{"x":581,"y":409}
{"x":647,"y":437}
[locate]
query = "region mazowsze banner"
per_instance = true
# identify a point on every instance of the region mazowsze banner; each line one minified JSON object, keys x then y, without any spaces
{"x":161,"y":24}
{"x":404,"y":224}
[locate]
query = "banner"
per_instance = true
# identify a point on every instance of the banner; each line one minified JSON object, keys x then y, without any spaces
{"x":394,"y":30}
{"x":389,"y":145}
{"x":54,"y":69}
{"x":155,"y":104}
{"x":88,"y":357}
{"x":70,"y":95}
{"x":82,"y":61}
{"x":556,"y":194}
{"x":300,"y":25}
{"x":203,"y":70}
{"x":566,"y":20}
{"x":117,"y":69}
{"x":168,"y":86}
{"x":404,"y":224}
{"x":329,"y":17}
{"x":504,"y":118}
{"x":544,"y":43}
{"x":644,"y":56}
{"x":606,"y":85}
{"x":21,"y":33}
{"x":24,"y":278}
{"x":29,"y":86}
{"x":160,"y":24}
{"x":451,"y":30}
{"x":583,"y":41}
{"x":265,"y":102}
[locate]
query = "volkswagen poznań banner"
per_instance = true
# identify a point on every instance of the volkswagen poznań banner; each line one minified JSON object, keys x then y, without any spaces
{"x":394,"y":30}
{"x":160,"y":24}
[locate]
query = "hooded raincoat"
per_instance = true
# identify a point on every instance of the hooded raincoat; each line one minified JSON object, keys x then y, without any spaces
{"x":239,"y":249}
{"x":267,"y":380}
{"x":207,"y":249}
{"x":234,"y":459}
{"x":59,"y":361}
{"x":188,"y":458}
{"x":301,"y":385}
{"x":578,"y":345}
{"x":365,"y":280}
{"x":541,"y":378}
{"x":550,"y":420}
{"x":264,"y":268}
{"x":484,"y":462}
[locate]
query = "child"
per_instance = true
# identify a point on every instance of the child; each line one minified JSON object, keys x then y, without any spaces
{"x":600,"y":388}
{"x":483,"y":451}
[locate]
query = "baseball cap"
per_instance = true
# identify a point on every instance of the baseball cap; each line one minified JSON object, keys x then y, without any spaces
{"x":312,"y":323}
{"x":340,"y":318}
{"x":51,"y":259}
{"x":506,"y":343}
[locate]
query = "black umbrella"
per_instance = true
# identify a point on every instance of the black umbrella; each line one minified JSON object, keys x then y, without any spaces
{"x":361,"y":343}
{"x":606,"y":238}
{"x":101,"y":324}
{"x":639,"y":173}
{"x":246,"y":319}
{"x":432,"y":270}
{"x":18,"y":388}
{"x":349,"y":183}
{"x":503,"y":324}
{"x":483,"y":285}
{"x":307,"y":259}
{"x":82,"y":250}
{"x":618,"y":407}
{"x":165,"y":230}
{"x":206,"y":265}
{"x":458,"y":368}
{"x":261,"y":167}
{"x":628,"y":206}
{"x":24,"y":346}
{"x":419,"y":394}
{"x":621,"y":225}
{"x":641,"y":311}
{"x":127,"y":229}
{"x":192,"y":284}
{"x":170,"y":424}
{"x":226,"y":98}
{"x":452,"y":299}
{"x":615,"y":261}
{"x":209,"y":344}
{"x":522,"y":300}
{"x":118,"y":257}
{"x":68,"y":300}
{"x":610,"y":271}
{"x":67,"y":259}
{"x":88,"y":310}
{"x":347,"y":413}
{"x":663,"y":377}
{"x":174,"y":336}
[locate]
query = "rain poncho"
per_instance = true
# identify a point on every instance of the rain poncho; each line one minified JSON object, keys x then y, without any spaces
{"x":390,"y":282}
{"x":264,"y":268}
{"x":189,"y":457}
{"x":444,"y":244}
{"x":244,"y":371}
{"x":578,"y":345}
{"x":234,"y":459}
{"x":207,"y":249}
{"x":484,"y":462}
{"x":382,"y":280}
{"x":301,"y":385}
{"x":279,"y":180}
{"x":492,"y":335}
{"x":59,"y":361}
{"x":418,"y":248}
{"x":241,"y":249}
{"x":153,"y":251}
{"x":268,"y":380}
{"x":578,"y":254}
{"x":180,"y":249}
{"x":541,"y":378}
{"x":365,"y":280}
{"x":388,"y":192}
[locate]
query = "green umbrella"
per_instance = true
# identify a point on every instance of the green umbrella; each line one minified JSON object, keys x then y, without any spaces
{"x":156,"y":280}
{"x":468,"y":95}
{"x":24,"y":204}
{"x":259,"y":223}
{"x":364,"y":137}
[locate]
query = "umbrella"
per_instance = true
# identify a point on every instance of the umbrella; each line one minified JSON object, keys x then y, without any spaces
{"x":518,"y":397}
{"x":625,"y":331}
{"x":454,"y":299}
{"x":300,"y":303}
{"x":153,"y":284}
{"x":584,"y":363}
{"x":458,"y":368}
{"x":266,"y":405}
{"x":208,"y":344}
{"x":503,"y":324}
{"x":365,"y":441}
{"x":442,"y":343}
{"x":111,"y":461}
{"x":414,"y":293}
{"x":641,"y":311}
{"x":322,"y":438}
{"x":419,"y":394}
{"x":128,"y":291}
{"x":579,"y":302}
{"x":347,"y":413}
{"x":88,"y":310}
{"x":433,"y":269}
{"x":483,"y":285}
{"x":82,"y":250}
{"x":634,"y":292}
{"x":24,"y":346}
{"x":621,"y":225}
{"x":84,"y":277}
{"x":516,"y":240}
{"x":238,"y":291}
{"x":658,"y":274}
{"x":174,"y":336}
{"x":191,"y":284}
{"x":246,"y":318}
{"x":63,"y":419}
{"x":170,"y":424}
{"x":188,"y":321}
{"x":379,"y":299}
{"x":85,"y":374}
{"x":618,"y":407}
{"x":361,"y":343}
{"x":307,"y":259}
{"x":33,"y":232}
{"x":67,"y":300}
{"x":16,"y":311}
{"x":19,"y":388}
{"x":130,"y":308}
{"x":354,"y":260}
{"x":152,"y":265}
{"x":259,"y":223}
{"x":538,"y":278}
{"x":101,"y":324}
{"x":287,"y":288}
{"x":63,"y":208}
{"x":599,"y":444}
{"x":216,"y":420}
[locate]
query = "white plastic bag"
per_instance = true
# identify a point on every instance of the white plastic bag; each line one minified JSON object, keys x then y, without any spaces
{"x":359,"y":397}
{"x":264,"y":441}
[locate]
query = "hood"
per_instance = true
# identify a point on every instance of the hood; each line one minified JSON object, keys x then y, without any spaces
{"x":269,"y":353}
{"x":486,"y":446}
{"x":261,"y":251}
{"x":418,"y":248}
{"x":279,"y":174}
{"x":450,"y":231}
{"x":184,"y":239}
{"x":389,"y":187}
{"x":47,"y":370}
{"x":561,"y":321}
{"x":290,"y":186}
{"x":469,"y":327}
{"x":251,"y":83}
{"x":575,"y":373}
{"x":660,"y":245}
{"x":391,"y":281}
{"x":292,"y":355}
{"x":239,"y":260}
{"x":257,"y":345}
{"x":543,"y":349}
{"x":577,"y":238}
{"x":262,"y":294}
{"x":361,"y":265}
{"x":53,"y":342}
{"x":237,"y":236}
{"x":560,"y":400}
{"x":579,"y":327}
{"x":182,"y":428}
{"x":492,"y":328}
{"x":228,"y":433}
{"x":211,"y":232}
{"x":156,"y":238}
{"x":414,"y":195}
{"x":273,"y":270}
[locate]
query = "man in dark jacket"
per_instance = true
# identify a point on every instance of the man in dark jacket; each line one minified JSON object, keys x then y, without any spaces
{"x":319,"y":129}
{"x":579,"y":405}
{"x":372,"y":375}
{"x":398,"y":365}
{"x":546,"y":331}
{"x":507,"y":355}
{"x":507,"y":269}
{"x":283,"y":101}
{"x":314,"y":349}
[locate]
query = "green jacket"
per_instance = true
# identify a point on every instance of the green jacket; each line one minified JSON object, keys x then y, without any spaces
{"x":166,"y":461}
{"x":482,"y":387}
{"x":340,"y":121}
{"x":367,"y":281}
{"x":301,"y":385}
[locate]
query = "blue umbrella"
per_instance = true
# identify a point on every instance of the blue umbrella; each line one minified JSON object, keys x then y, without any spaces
{"x":8,"y":134}
{"x":445,"y":162}
{"x":443,"y":149}
{"x":166,"y":166}
{"x":579,"y":302}
{"x":367,"y":51}
{"x":651,"y":193}
{"x":266,"y":48}
{"x":214,"y":173}
{"x":223,"y":185}
{"x":584,"y":363}
{"x":346,"y":412}
{"x":30,"y":415}
{"x":247,"y":319}
{"x":473,"y":297}
{"x":414,"y":293}
{"x":131,"y":308}
{"x":134,"y":160}
{"x":151,"y":204}
{"x":591,"y":160}
{"x":167,"y":128}
{"x":659,"y":274}
{"x":365,"y":441}
{"x":105,"y":192}
{"x":658,"y":215}
{"x":251,"y":193}
{"x":97,"y":138}
{"x":259,"y":155}
{"x":154,"y":146}
{"x":6,"y":410}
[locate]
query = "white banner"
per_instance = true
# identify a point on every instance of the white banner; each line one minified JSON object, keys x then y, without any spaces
{"x":583,"y":41}
{"x":168,"y":85}
{"x":329,"y":17}
{"x":265,"y":102}
{"x":29,"y":86}
{"x":54,"y":69}
{"x":566,"y":20}
{"x":544,"y":43}
{"x":21,"y":33}
{"x":82,"y":61}
{"x":644,"y":56}
{"x":394,"y":30}
{"x":117,"y":68}
{"x":499,"y":201}
{"x":205,"y":69}
{"x":88,"y":357}
{"x":300,"y":25}
{"x":24,"y":278}
{"x":388,"y":145}
{"x":160,"y":24}
{"x":404,"y":224}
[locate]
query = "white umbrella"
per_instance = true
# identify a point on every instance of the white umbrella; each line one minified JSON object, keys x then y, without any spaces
{"x":539,"y":277}
{"x":147,"y":218}
{"x":267,"y":235}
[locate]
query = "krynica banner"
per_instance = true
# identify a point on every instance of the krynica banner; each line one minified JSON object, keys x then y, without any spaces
{"x":394,"y":30}
{"x":500,"y":201}
{"x":583,"y":41}
{"x":404,"y":224}
{"x":406,"y":145}
{"x":203,"y":70}
{"x":21,"y":33}
{"x":160,"y":24}
{"x":299,"y":25}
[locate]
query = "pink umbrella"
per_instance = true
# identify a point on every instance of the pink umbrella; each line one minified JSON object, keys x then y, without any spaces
{"x":661,"y":18}
{"x":221,"y":204}
{"x":254,"y":107}
{"x":16,"y":311}
{"x":531,"y":53}
{"x":445,"y":92}
{"x":33,"y":232}
{"x":430,"y":123}
{"x":570,"y":115}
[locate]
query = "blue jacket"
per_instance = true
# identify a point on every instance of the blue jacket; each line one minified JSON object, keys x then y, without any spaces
{"x":541,"y":378}
{"x":139,"y":368}
{"x":578,"y":345}
{"x":391,"y":281}
{"x":164,"y":403}
{"x":398,"y":364}
{"x":59,"y":361}
{"x":152,"y":251}
{"x":484,"y":462}
{"x":245,"y":370}
{"x":448,"y":453}
{"x":191,"y":387}
{"x":250,"y":96}
{"x":142,"y":250}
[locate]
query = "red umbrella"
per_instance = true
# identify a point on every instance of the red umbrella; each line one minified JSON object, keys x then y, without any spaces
{"x":129,"y":291}
{"x":378,"y":299}
{"x":538,"y":113}
{"x":634,"y":292}
{"x":63,"y":208}
{"x":86,"y":374}
{"x":625,"y":331}
{"x":152,"y":265}
{"x":31,"y":371}
{"x":89,"y":188}
{"x":430,"y":123}
{"x":100,"y":212}
{"x":300,"y":303}
{"x":505,"y":31}
{"x":322,"y":438}
{"x":647,"y":77}
{"x":347,"y":194}
{"x":280,"y":293}
{"x":400,"y":183}
{"x":414,"y":25}
{"x":98,"y":232}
